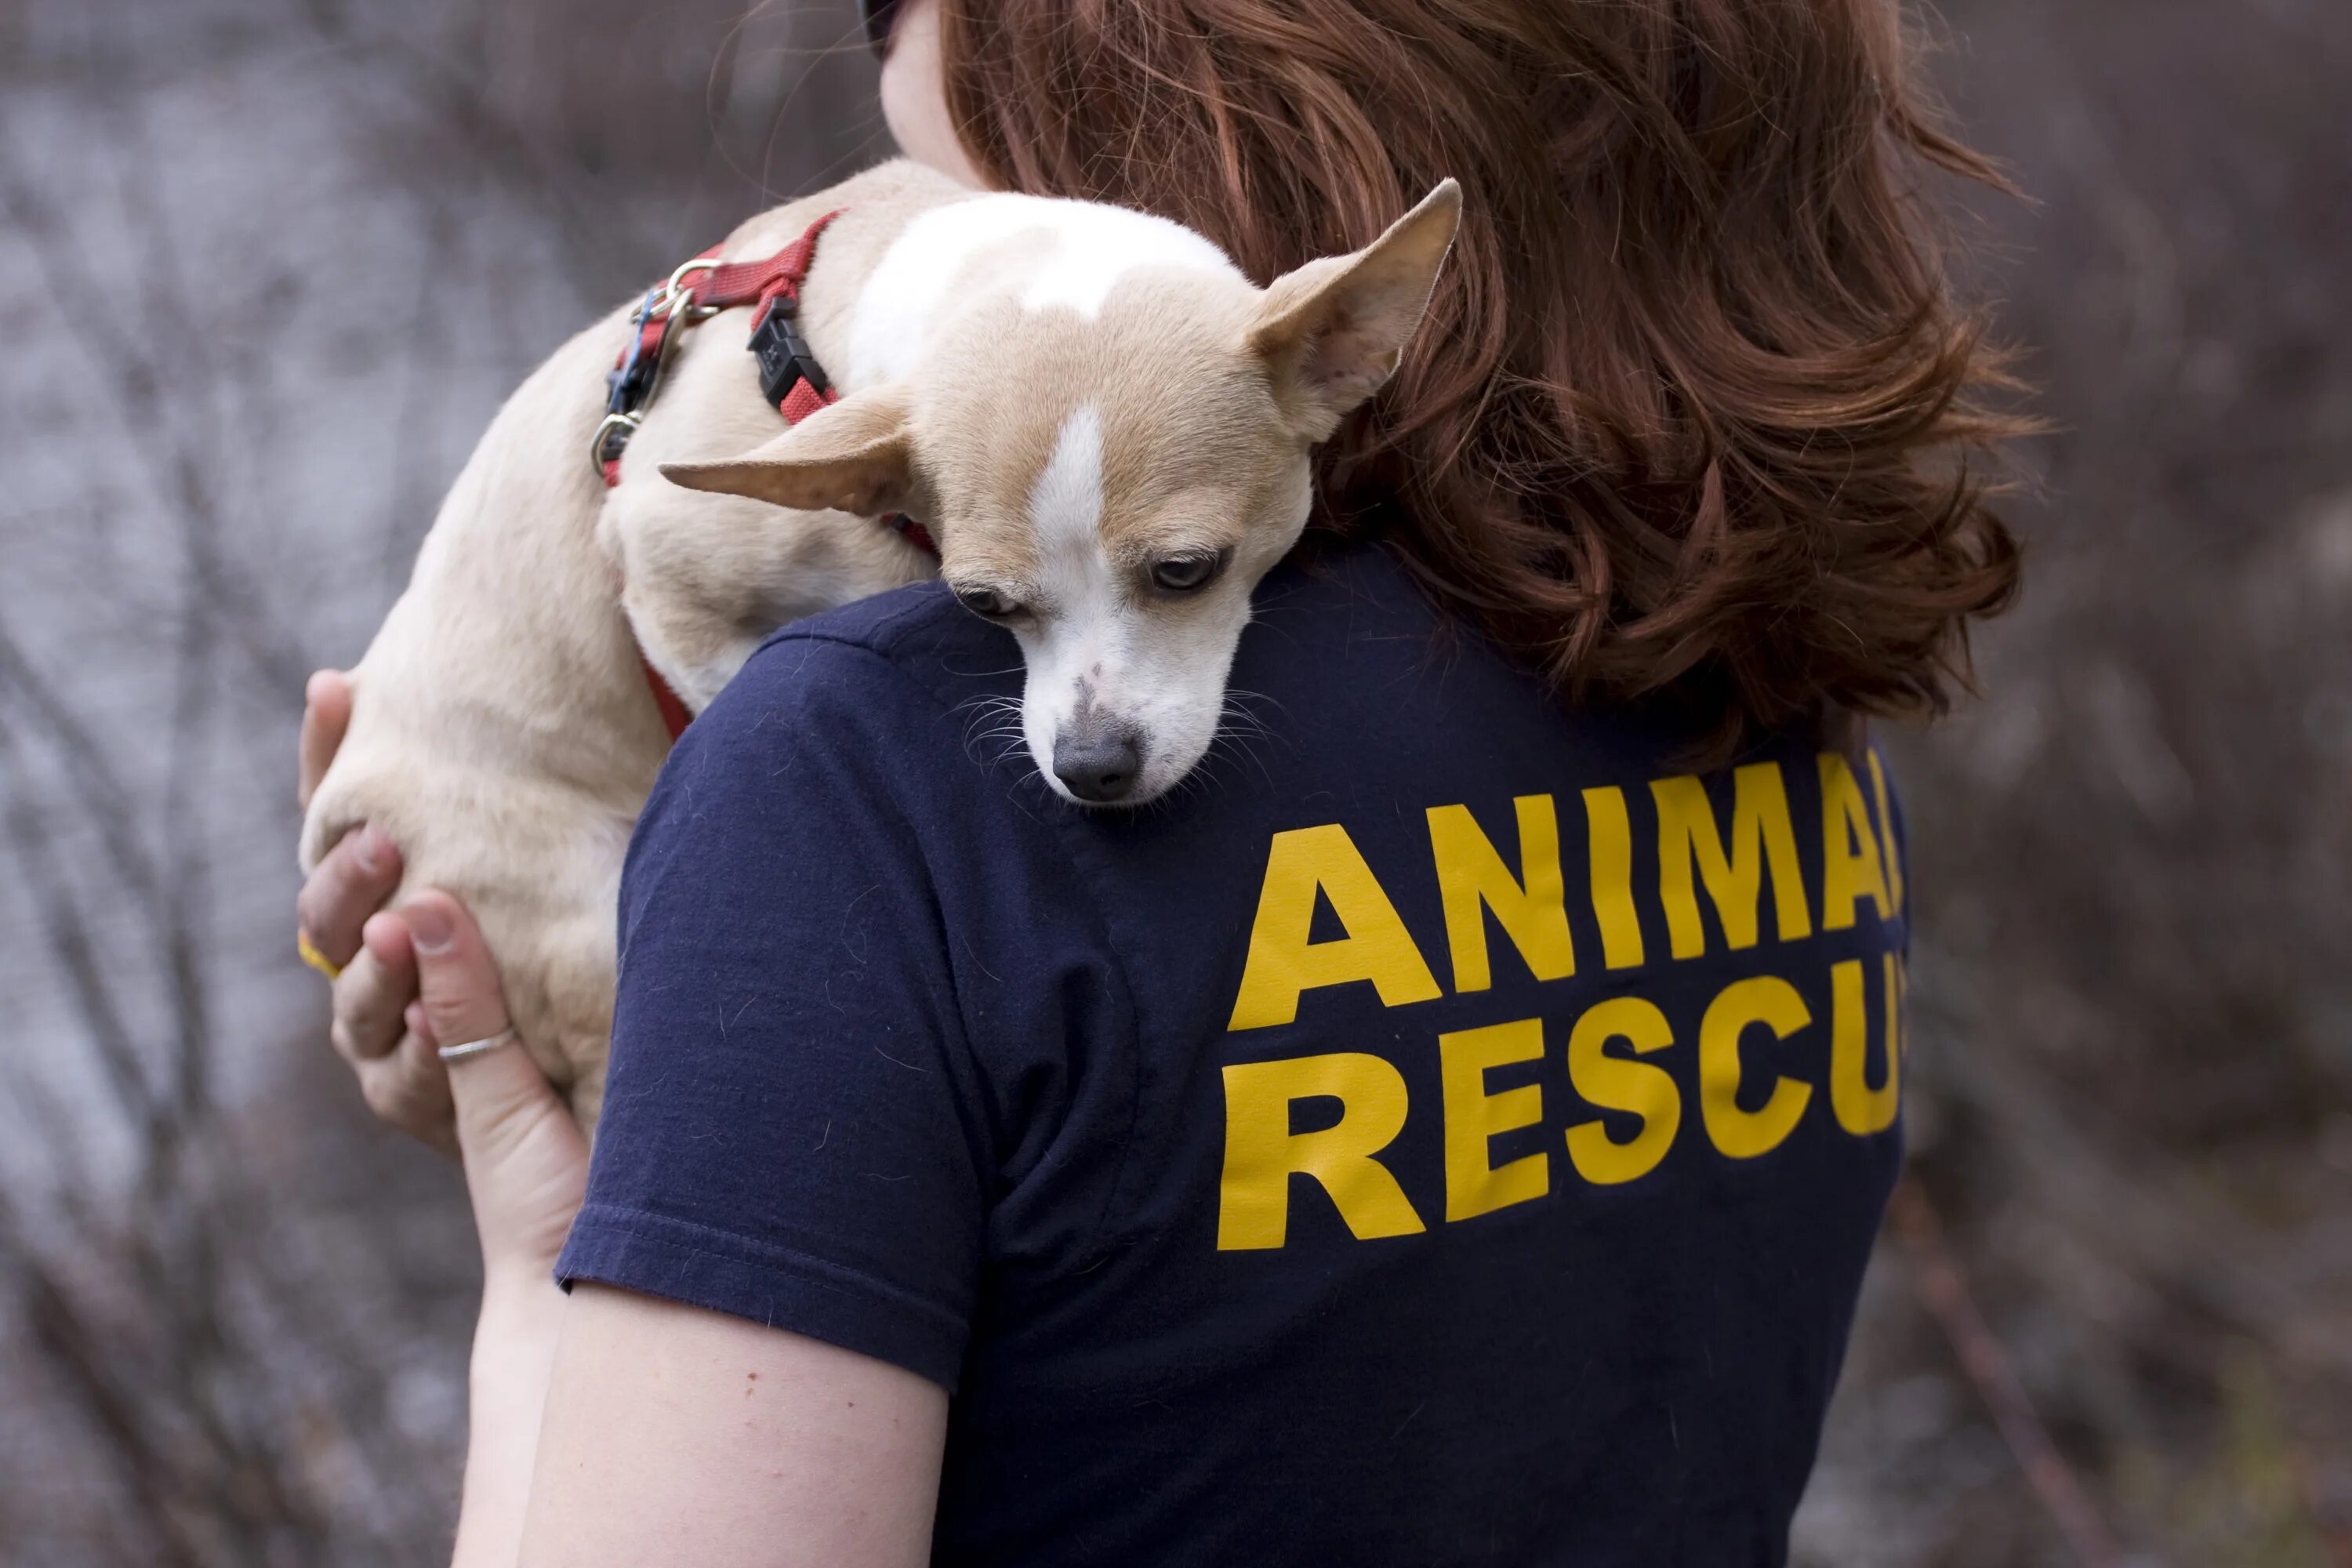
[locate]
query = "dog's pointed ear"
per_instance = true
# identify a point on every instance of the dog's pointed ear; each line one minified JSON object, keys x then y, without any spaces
{"x":1331,"y":332}
{"x":856,"y":456}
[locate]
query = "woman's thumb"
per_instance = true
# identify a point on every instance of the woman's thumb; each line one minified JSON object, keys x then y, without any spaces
{"x":499,"y":1093}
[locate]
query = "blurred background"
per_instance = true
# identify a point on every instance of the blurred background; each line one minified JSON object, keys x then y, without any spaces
{"x":267,"y":266}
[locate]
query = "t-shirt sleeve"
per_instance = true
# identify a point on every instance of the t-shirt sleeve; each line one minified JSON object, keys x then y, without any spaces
{"x":792,"y":1128}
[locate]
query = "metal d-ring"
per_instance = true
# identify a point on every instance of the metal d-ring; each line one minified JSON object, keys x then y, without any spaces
{"x":611,"y":423}
{"x":675,"y":297}
{"x":671,"y":302}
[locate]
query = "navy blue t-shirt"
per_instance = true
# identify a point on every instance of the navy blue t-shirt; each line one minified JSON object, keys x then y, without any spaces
{"x":1446,"y":1132}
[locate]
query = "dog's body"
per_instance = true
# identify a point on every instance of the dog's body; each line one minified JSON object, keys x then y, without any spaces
{"x":1091,"y":408}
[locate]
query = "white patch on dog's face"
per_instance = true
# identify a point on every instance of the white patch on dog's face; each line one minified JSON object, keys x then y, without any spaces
{"x":1125,"y":678}
{"x":1125,"y":683}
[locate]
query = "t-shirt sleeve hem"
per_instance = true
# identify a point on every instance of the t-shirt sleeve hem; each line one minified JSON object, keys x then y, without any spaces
{"x":679,"y":1261}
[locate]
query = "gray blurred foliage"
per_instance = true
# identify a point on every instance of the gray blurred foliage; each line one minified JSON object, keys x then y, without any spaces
{"x":267,"y":267}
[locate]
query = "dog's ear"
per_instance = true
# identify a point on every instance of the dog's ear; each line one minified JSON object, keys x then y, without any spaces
{"x":1332,"y":332}
{"x":854,"y":455}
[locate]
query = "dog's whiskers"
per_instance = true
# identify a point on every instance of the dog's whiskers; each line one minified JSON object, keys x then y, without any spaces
{"x":1238,"y":728}
{"x":1002,"y":718}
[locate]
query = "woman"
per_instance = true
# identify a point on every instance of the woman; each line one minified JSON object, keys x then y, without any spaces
{"x":1457,"y":1135}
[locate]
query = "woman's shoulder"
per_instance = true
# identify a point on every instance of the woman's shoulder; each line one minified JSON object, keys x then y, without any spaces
{"x":866,"y":729}
{"x":912,"y":628}
{"x":880,"y":680}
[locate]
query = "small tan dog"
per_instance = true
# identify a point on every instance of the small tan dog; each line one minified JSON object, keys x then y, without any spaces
{"x":1105,"y":426}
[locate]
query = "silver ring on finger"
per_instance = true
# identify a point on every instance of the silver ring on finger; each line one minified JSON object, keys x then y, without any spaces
{"x":459,"y":1053}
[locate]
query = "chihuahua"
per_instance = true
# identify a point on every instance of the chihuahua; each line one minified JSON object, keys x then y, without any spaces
{"x":1105,"y":426}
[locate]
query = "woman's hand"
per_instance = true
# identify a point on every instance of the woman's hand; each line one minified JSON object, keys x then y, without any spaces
{"x":417,"y":978}
{"x":336,"y":910}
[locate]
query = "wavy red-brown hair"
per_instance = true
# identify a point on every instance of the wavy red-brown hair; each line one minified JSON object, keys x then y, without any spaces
{"x":1693,"y":411}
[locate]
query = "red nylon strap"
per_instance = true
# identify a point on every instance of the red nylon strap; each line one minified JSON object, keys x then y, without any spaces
{"x":756,"y":282}
{"x":666,"y":702}
{"x":803,"y":400}
{"x":722,"y":288}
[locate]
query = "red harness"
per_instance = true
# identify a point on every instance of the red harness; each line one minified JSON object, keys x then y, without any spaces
{"x":790,"y":376}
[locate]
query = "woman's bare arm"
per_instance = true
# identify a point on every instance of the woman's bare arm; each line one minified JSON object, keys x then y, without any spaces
{"x":676,"y":1434}
{"x":669,"y":1434}
{"x":609,"y":1427}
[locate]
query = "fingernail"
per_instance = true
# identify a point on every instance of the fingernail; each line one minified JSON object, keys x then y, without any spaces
{"x":428,"y":926}
{"x":369,"y":849}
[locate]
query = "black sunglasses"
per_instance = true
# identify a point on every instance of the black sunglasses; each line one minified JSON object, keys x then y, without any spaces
{"x":878,"y":14}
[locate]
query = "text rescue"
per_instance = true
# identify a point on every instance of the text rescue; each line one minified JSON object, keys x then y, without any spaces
{"x":1262,"y":1152}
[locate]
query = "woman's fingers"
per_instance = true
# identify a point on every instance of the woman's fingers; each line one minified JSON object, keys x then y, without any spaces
{"x":525,"y":1162}
{"x":350,"y":883}
{"x":456,"y":976}
{"x":375,"y":991}
{"x":499,"y":1092}
{"x":375,"y":1001}
{"x":326,"y":714}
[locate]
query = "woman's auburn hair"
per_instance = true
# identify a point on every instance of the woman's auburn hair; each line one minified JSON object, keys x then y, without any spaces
{"x":1693,"y":411}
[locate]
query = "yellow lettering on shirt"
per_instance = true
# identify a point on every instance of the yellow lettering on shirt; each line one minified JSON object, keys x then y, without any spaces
{"x":1610,"y":849}
{"x":1619,"y":1083}
{"x":1773,"y":1003}
{"x":1532,"y":907}
{"x":1262,"y":1153}
{"x":1887,"y":832}
{"x":1740,"y":854}
{"x":1762,"y":839}
{"x":1850,"y":863}
{"x":1474,"y":1117}
{"x":1861,"y":1110}
{"x":1283,"y":962}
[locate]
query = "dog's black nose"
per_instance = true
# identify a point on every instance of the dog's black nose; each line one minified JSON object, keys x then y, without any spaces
{"x":1098,"y":765}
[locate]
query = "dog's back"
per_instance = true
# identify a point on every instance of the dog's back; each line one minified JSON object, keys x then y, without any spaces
{"x":503,"y":732}
{"x":490,"y":733}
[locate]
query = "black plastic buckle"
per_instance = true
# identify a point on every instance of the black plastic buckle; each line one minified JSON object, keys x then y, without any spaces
{"x":784,"y":355}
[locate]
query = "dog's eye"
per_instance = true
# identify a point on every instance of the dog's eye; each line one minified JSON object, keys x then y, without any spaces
{"x":986,"y":602}
{"x":1187,"y":574}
